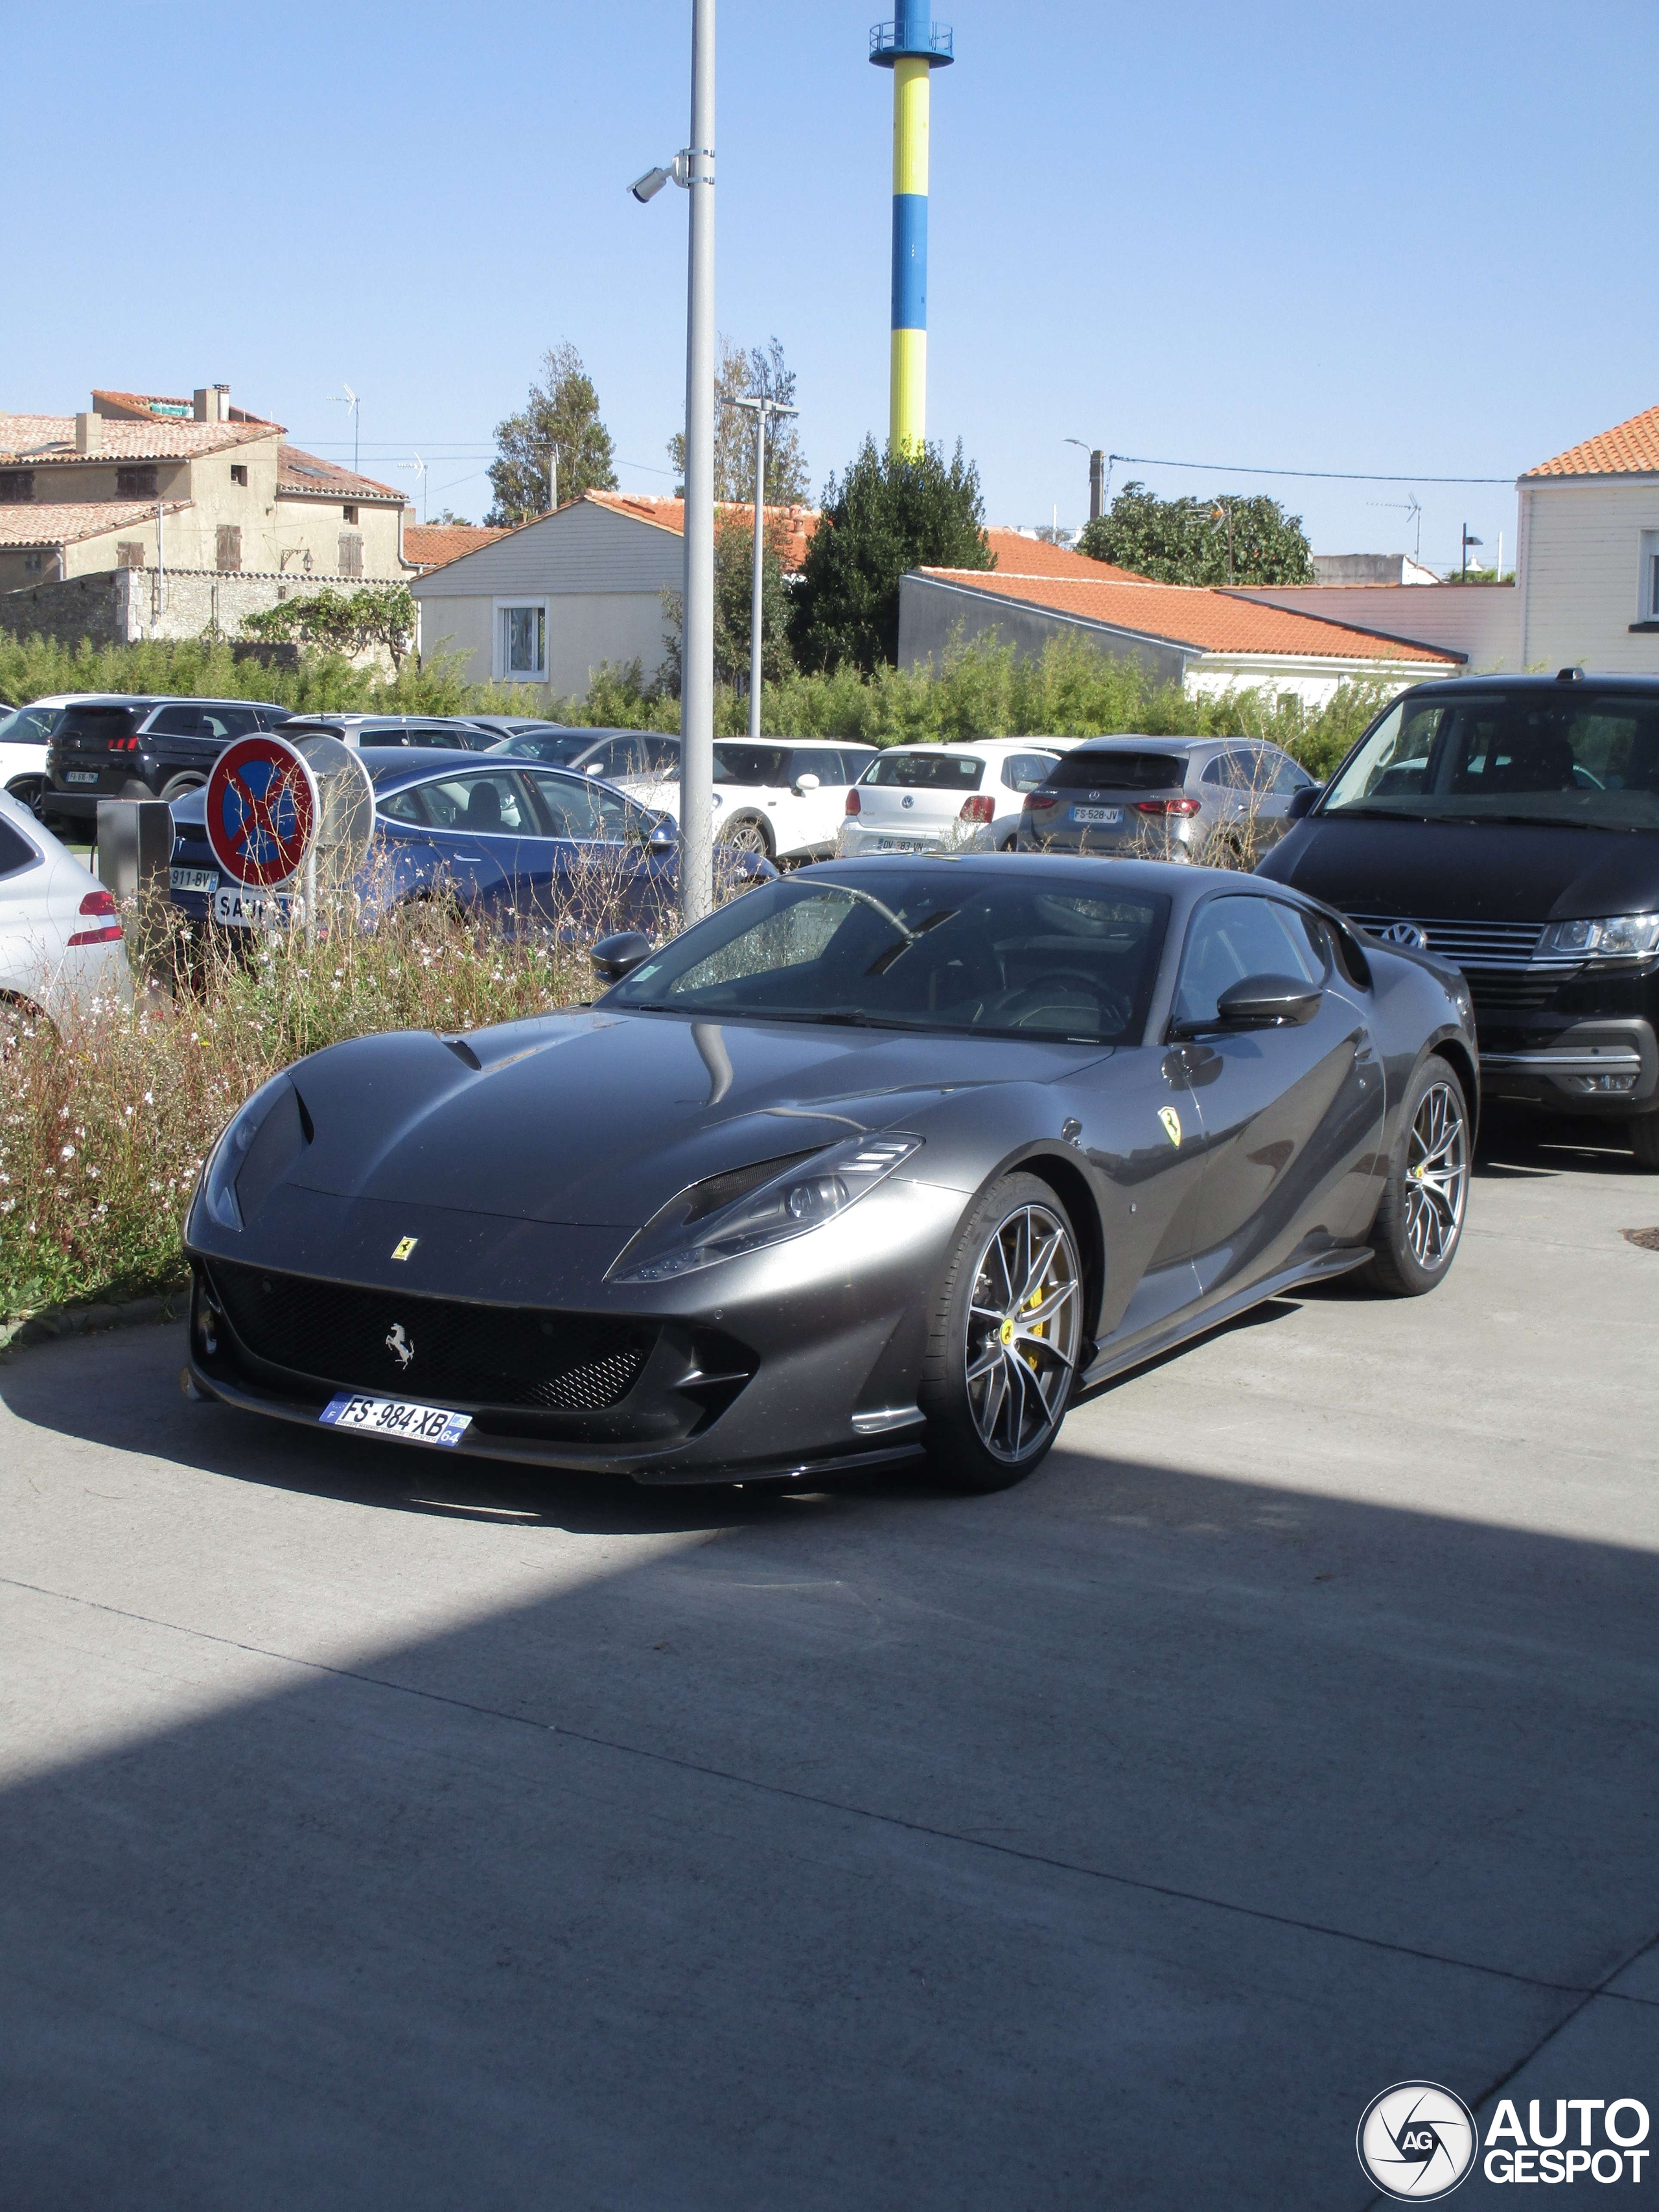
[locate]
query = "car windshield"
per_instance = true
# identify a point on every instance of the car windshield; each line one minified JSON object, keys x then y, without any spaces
{"x":1087,"y":771}
{"x":927,"y":771}
{"x":1576,"y":759}
{"x":28,"y":725}
{"x":924,"y":948}
{"x":558,"y":747}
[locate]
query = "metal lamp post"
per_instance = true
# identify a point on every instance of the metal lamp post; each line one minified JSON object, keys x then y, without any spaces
{"x":763,"y":408}
{"x":694,"y":168}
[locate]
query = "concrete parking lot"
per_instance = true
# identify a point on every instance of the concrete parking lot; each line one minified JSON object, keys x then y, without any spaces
{"x":378,"y":1832}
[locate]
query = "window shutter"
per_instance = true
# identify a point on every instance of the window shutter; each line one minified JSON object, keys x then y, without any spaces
{"x":230,"y":549}
{"x":129,"y":553}
{"x":351,"y":553}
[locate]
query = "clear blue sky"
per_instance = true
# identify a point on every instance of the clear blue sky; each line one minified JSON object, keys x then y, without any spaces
{"x":1411,"y":239}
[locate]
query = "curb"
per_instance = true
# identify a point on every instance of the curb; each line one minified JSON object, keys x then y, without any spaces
{"x":51,"y":1322}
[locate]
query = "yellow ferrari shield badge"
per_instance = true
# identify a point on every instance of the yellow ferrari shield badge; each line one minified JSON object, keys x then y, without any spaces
{"x":405,"y":1245}
{"x":1171,"y":1122}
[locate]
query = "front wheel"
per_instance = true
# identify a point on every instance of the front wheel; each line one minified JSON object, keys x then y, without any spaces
{"x":1420,"y":1221}
{"x":1006,"y":1329}
{"x":748,"y":833}
{"x":30,"y":791}
{"x":179,"y":787}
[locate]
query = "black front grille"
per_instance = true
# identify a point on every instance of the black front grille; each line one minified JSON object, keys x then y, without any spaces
{"x":459,"y":1355}
{"x":1498,"y":996}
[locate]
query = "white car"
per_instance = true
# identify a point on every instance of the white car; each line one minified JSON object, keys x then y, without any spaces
{"x":783,"y":800}
{"x":24,"y":733}
{"x":965,"y":797}
{"x":60,"y":935}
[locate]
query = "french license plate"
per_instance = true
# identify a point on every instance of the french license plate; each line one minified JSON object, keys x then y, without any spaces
{"x":241,"y":910}
{"x":899,"y":844}
{"x":396,"y":1417}
{"x":1101,"y":814}
{"x":80,"y":776}
{"x":194,"y":880}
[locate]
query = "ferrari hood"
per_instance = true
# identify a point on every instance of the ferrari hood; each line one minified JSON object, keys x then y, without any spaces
{"x":598,"y":1119}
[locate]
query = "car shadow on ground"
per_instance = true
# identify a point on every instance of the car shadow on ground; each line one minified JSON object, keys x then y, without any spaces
{"x":1513,"y":1145}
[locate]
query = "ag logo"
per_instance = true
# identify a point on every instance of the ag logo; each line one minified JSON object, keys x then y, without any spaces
{"x":398,"y":1345}
{"x":1417,"y":2142}
{"x":1171,"y":1122}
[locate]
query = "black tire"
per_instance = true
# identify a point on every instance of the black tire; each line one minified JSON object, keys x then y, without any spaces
{"x":749,"y":833}
{"x":994,"y":1400}
{"x":29,"y":791}
{"x":1644,"y":1141}
{"x":1419,"y":1223}
{"x":178,"y":786}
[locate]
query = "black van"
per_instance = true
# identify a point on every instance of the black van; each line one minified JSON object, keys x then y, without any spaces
{"x":1512,"y":824}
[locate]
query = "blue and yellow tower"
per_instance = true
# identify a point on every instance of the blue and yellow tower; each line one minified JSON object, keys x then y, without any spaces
{"x":912,"y":47}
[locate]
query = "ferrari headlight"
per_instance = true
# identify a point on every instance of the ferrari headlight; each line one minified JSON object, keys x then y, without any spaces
{"x":1625,"y":937}
{"x":225,"y":1161}
{"x":802,"y":1197}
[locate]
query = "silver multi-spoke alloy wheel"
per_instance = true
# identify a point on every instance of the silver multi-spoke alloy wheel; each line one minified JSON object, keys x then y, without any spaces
{"x":1023,"y":1328}
{"x":746,"y":836}
{"x":1437,"y":1177}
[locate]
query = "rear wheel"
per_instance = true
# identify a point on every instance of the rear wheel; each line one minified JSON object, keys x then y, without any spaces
{"x":29,"y":791}
{"x":1644,"y":1141}
{"x":1006,"y":1326}
{"x":178,"y":786}
{"x":748,"y":833}
{"x":1420,"y":1221}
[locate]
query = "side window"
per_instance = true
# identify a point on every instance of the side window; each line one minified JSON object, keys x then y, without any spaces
{"x":231,"y":722}
{"x":1215,"y":771}
{"x":1026,"y":771}
{"x":481,"y":805}
{"x":180,"y":722}
{"x":582,"y":810}
{"x":1288,"y":777}
{"x":818,"y":761}
{"x":16,"y":852}
{"x":403,"y":806}
{"x":1235,"y":936}
{"x":853,"y":765}
{"x":662,"y":755}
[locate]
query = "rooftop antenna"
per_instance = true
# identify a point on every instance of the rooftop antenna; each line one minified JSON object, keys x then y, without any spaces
{"x":418,"y":466}
{"x":1411,"y":508}
{"x":351,"y":402}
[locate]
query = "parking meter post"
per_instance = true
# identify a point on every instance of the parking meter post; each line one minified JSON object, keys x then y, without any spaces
{"x":756,"y":594}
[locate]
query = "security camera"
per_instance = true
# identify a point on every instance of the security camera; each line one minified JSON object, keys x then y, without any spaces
{"x":648,"y":186}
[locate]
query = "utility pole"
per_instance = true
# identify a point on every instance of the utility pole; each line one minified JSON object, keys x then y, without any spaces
{"x":698,"y":636}
{"x":1097,"y":477}
{"x":763,"y":408}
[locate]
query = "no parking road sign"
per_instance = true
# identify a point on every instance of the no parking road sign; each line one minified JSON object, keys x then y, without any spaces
{"x":262,"y":809}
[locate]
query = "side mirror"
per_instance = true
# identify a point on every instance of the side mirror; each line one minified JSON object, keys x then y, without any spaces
{"x":619,"y":954}
{"x":1269,"y":1002}
{"x":1304,"y":801}
{"x":804,"y":784}
{"x":663,"y":836}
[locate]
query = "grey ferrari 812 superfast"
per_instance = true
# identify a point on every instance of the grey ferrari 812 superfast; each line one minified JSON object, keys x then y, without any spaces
{"x":891,"y":1158}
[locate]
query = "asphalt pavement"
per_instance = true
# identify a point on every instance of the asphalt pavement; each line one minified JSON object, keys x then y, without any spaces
{"x":379,"y":1832}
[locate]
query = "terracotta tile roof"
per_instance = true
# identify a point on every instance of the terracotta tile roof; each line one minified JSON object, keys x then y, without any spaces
{"x":1019,"y":555}
{"x":1194,"y":615}
{"x":800,"y":522}
{"x":1628,"y":449}
{"x":297,"y":471}
{"x":48,"y":441}
{"x":429,"y":545}
{"x":62,"y":522}
{"x":148,"y":406}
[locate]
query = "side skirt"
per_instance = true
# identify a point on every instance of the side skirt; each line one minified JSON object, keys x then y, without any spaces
{"x":1118,"y":1360}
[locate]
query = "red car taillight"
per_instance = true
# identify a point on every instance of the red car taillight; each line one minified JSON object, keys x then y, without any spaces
{"x":1167,"y":806}
{"x":982,"y":807}
{"x":101,"y":904}
{"x":1036,"y":800}
{"x":853,"y":806}
{"x":124,"y":744}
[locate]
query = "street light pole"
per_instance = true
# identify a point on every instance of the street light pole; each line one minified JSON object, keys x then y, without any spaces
{"x":697,"y":633}
{"x":762,"y":408}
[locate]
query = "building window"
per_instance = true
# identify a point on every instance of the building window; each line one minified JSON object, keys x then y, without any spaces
{"x":351,"y":553}
{"x":16,"y":484}
{"x":522,"y":647}
{"x":1647,"y":608}
{"x":31,"y":564}
{"x":129,"y":553}
{"x":238,"y":472}
{"x":135,"y":484}
{"x":230,"y":549}
{"x":349,"y":512}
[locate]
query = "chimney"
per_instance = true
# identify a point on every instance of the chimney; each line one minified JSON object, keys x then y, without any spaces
{"x":223,"y":391}
{"x":207,"y":402}
{"x":88,"y":433}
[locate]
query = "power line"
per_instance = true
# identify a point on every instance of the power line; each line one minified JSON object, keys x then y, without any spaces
{"x":1329,"y":476}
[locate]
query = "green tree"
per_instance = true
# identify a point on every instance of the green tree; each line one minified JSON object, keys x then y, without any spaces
{"x":560,"y":415}
{"x":342,"y":622}
{"x":734,"y":584}
{"x":760,"y":372}
{"x":1222,"y":540}
{"x":891,"y":511}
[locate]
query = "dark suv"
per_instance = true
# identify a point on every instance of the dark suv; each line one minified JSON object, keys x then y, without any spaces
{"x":118,"y":747}
{"x":1511,"y":824}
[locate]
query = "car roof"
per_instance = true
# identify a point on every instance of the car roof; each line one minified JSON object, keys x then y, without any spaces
{"x":1128,"y":743}
{"x":1638,"y":686}
{"x":391,"y":766}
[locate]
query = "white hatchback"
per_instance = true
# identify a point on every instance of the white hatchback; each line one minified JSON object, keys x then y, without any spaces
{"x":24,"y":733}
{"x":782,"y":800}
{"x":60,"y":935}
{"x":967,"y":798}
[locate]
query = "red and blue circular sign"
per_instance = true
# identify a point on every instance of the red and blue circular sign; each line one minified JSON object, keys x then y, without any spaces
{"x":261,"y":809}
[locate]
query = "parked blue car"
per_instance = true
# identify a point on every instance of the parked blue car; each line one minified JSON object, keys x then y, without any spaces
{"x":526,"y":845}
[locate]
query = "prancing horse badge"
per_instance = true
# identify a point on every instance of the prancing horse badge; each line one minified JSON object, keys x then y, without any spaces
{"x":405,"y":1245}
{"x":1171,"y":1122}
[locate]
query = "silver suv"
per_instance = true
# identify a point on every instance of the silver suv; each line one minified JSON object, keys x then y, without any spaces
{"x":1217,"y":799}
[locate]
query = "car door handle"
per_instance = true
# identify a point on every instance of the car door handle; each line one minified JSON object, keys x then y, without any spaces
{"x":468,"y":856}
